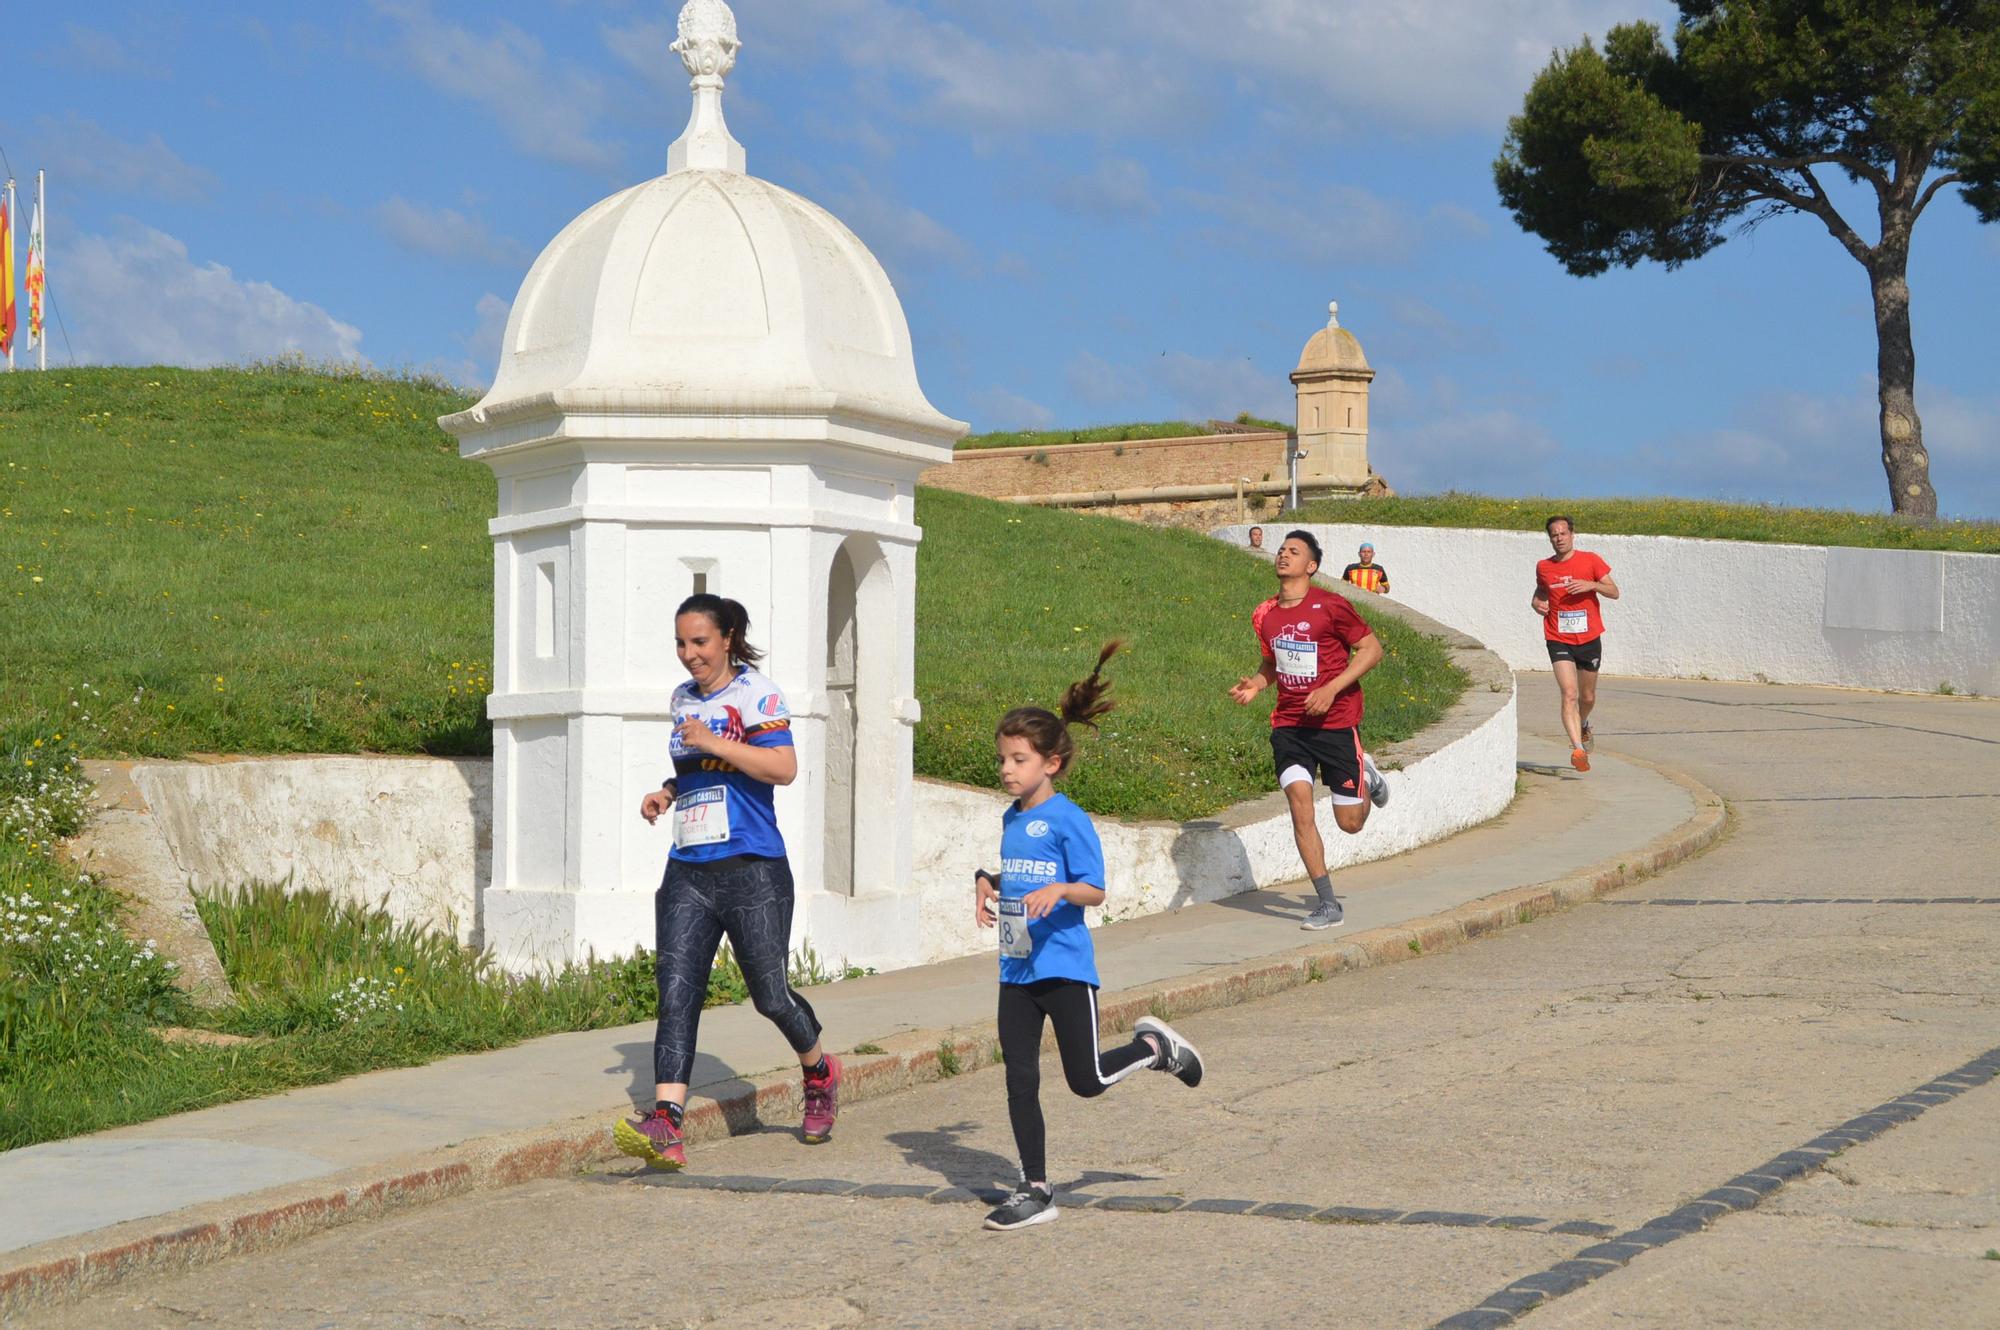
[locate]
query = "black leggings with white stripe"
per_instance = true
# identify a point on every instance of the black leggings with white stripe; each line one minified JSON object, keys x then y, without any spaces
{"x":1072,"y":1007}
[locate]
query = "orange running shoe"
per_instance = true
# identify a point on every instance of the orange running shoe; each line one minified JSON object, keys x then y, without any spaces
{"x":1579,"y":759}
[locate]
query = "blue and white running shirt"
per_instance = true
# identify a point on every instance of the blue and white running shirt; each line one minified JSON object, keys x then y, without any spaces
{"x":1051,"y":842}
{"x":718,"y":811}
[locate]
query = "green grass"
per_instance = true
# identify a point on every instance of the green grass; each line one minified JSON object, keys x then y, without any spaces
{"x":272,"y":561}
{"x":324,"y":990}
{"x":1668,"y":517}
{"x":1144,"y":429}
{"x":283,"y":561}
{"x":1177,"y":747}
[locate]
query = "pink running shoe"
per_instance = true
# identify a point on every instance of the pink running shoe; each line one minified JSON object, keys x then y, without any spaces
{"x":822,"y":1102}
{"x":655,"y":1139}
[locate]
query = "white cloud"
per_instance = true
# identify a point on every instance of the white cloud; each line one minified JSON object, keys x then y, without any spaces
{"x":1097,"y":382}
{"x":1221,"y":388}
{"x":998,"y":408}
{"x":1116,"y":189}
{"x":1418,"y":63}
{"x":82,"y":155}
{"x":1334,"y":221}
{"x":136,"y":297}
{"x":547,"y":110}
{"x":101,"y":53}
{"x":987,"y":72}
{"x":446,"y":233}
{"x":906,"y":239}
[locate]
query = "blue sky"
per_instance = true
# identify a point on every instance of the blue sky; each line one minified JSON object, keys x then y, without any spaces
{"x":1120,"y":209}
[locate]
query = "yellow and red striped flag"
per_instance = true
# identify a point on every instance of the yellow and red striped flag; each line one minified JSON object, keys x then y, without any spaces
{"x":36,"y":278}
{"x":6,"y":281}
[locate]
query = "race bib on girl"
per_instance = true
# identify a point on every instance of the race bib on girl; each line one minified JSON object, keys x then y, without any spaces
{"x":701,"y":817}
{"x":1572,"y":621}
{"x":1015,"y":944}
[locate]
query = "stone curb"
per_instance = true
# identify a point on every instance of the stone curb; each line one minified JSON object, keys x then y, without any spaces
{"x":59,"y":1271}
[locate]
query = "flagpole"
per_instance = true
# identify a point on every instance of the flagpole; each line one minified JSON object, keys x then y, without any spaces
{"x":42,"y":256}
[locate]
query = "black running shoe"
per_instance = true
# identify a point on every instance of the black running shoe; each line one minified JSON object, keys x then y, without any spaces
{"x":1030,"y":1205}
{"x":1181,"y":1058}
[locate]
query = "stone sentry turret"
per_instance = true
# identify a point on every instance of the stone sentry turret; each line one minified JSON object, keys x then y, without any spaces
{"x":706,"y":384}
{"x":1332,"y":381}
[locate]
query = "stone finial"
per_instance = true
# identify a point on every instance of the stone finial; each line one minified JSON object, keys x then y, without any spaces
{"x":707,"y":46}
{"x":1333,"y":313}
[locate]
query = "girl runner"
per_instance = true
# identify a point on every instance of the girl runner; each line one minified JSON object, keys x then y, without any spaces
{"x":726,"y":873}
{"x":1051,"y":867}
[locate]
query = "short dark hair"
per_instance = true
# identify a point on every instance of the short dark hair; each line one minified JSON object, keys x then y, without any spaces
{"x":1307,"y":539}
{"x":1550,"y":525}
{"x":1256,"y":528}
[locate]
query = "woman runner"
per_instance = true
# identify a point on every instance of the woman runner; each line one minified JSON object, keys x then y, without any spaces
{"x":726,"y":873}
{"x":1051,"y":867}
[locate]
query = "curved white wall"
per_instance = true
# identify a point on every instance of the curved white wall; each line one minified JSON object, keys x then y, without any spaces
{"x":1156,"y":866}
{"x":1852,"y":618}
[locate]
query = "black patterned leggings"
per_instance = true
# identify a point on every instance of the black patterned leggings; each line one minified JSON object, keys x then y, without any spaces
{"x":750,"y":900}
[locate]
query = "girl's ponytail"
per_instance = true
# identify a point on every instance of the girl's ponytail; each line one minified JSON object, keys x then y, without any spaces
{"x":1084,"y":701}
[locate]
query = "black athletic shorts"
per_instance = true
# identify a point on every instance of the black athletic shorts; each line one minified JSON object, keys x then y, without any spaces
{"x":1584,"y":655}
{"x":1335,"y":755}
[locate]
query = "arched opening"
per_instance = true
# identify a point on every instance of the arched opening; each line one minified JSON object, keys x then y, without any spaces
{"x":842,"y":640}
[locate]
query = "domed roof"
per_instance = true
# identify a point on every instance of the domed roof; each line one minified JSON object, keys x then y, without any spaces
{"x":1333,"y":348}
{"x":709,"y":290}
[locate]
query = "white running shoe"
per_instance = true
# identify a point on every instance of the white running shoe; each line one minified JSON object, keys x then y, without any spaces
{"x":1378,"y":788}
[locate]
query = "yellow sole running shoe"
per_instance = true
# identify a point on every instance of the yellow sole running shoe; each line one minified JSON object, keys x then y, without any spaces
{"x":654,"y":1140}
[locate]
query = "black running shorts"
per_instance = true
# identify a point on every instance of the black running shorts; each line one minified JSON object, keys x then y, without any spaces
{"x":1584,"y":655}
{"x":1335,"y":755}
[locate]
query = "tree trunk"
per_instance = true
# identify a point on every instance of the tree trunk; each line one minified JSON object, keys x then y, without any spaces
{"x":1903,"y":455}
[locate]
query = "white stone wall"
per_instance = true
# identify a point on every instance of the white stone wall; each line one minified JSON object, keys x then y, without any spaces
{"x":414,"y":834}
{"x":1153,"y":867}
{"x":1850,"y":618}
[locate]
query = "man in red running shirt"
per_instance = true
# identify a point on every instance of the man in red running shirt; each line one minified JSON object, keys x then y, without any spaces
{"x":1566,"y":591}
{"x":1315,"y":648}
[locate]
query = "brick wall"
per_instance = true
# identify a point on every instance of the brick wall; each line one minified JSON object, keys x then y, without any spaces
{"x":1217,"y":459}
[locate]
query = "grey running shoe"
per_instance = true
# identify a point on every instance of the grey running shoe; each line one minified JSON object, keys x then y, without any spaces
{"x":1328,"y":915}
{"x":1181,"y":1058}
{"x":1589,"y":738}
{"x":1029,"y":1205}
{"x":1378,"y":788}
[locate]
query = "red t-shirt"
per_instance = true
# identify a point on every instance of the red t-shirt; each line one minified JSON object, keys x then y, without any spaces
{"x":1571,"y":618}
{"x":1309,"y":643}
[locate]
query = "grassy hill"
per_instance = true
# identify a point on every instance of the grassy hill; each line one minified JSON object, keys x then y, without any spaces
{"x":277,"y":561}
{"x":1669,"y":517}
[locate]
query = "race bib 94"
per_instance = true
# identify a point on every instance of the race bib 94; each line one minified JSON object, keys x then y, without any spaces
{"x":1298,"y":659}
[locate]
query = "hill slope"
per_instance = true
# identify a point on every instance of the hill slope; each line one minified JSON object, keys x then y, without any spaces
{"x":276,"y":560}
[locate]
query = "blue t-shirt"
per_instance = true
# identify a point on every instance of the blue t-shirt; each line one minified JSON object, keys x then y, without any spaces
{"x":1051,"y":842}
{"x":718,"y":811}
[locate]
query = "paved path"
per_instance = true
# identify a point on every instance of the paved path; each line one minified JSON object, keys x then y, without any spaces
{"x":246,"y":1147}
{"x":1482,"y":1120}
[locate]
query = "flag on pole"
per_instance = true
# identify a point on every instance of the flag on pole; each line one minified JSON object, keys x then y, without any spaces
{"x":36,"y":279}
{"x":6,"y":279}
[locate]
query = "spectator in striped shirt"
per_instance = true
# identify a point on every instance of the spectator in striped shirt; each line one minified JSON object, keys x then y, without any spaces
{"x":1367,"y":574}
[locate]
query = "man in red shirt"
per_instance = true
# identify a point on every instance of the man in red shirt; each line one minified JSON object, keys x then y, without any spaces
{"x":1315,"y":648}
{"x":1567,"y":588}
